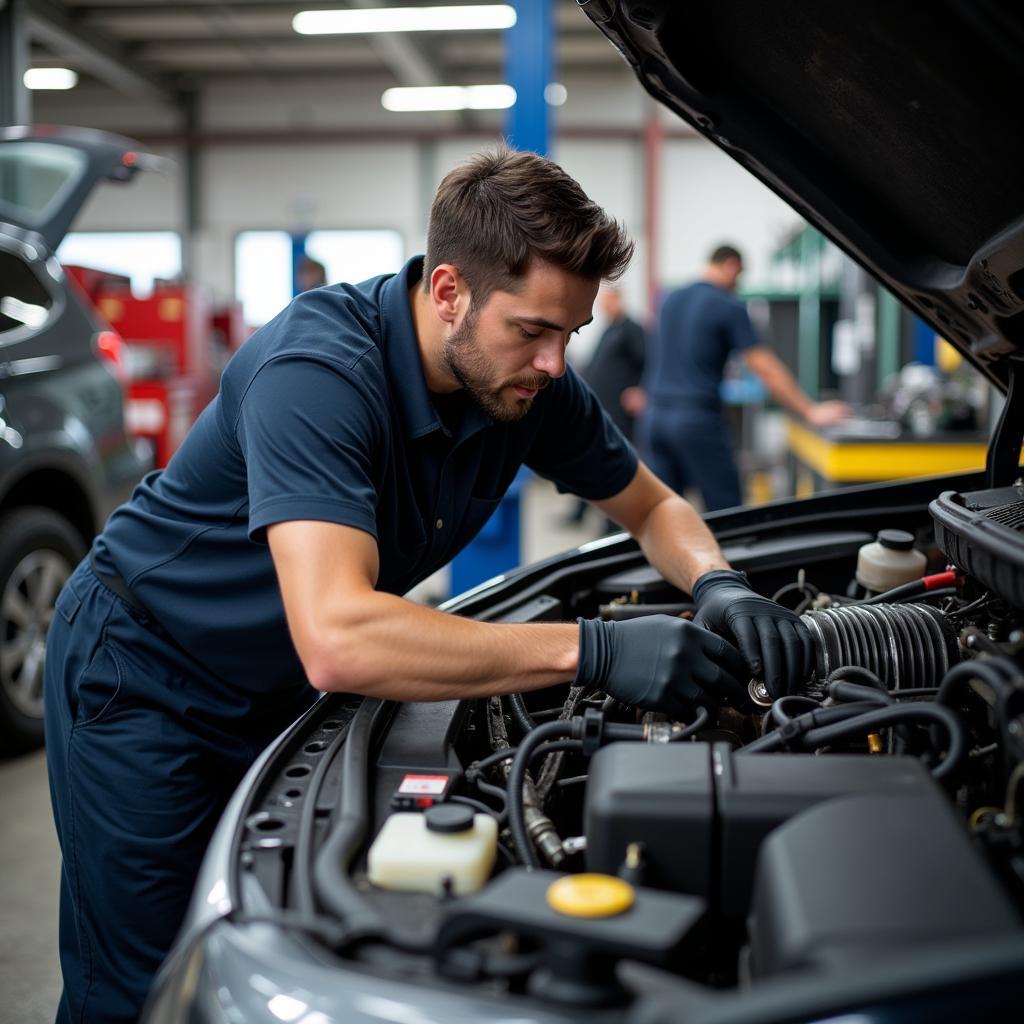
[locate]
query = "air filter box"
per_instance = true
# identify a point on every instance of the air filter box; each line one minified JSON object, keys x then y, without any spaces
{"x":982,"y":533}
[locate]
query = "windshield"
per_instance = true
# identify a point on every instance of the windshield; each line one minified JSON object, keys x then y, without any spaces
{"x":35,"y":178}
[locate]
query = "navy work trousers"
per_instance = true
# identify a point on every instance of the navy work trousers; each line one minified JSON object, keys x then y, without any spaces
{"x":143,"y":752}
{"x":687,"y":447}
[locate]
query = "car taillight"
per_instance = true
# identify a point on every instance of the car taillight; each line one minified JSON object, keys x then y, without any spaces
{"x":110,"y":346}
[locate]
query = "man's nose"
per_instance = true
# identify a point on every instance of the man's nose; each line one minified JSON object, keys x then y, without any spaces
{"x":550,"y":360}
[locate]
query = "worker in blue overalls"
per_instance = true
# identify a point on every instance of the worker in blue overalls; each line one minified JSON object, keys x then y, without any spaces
{"x":683,"y":435}
{"x":357,"y":442}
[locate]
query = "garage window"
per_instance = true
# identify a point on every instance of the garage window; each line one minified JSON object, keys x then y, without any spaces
{"x":265,"y":263}
{"x":143,"y":256}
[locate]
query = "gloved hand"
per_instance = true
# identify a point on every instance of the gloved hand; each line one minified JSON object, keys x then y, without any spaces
{"x":658,"y":662}
{"x":773,"y":641}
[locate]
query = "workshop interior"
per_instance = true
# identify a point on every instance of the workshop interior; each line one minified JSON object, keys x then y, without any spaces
{"x":173,"y":175}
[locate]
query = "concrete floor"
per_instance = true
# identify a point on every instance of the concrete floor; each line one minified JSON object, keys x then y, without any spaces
{"x":29,"y":975}
{"x":29,"y":978}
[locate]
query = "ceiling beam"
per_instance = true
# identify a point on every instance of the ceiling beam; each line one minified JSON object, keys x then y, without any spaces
{"x":95,"y":52}
{"x":406,"y":59}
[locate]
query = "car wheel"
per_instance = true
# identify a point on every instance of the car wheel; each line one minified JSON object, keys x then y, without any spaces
{"x":38,"y":551}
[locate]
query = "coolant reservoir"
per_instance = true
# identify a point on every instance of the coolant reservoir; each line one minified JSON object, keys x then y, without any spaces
{"x":416,"y":852}
{"x":889,"y":561}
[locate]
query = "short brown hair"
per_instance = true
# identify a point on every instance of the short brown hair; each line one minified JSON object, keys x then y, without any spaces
{"x":502,"y":208}
{"x":725,"y":252}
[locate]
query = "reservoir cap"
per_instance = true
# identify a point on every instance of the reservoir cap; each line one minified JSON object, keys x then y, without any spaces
{"x":896,"y":540}
{"x":590,"y":895}
{"x":449,"y":818}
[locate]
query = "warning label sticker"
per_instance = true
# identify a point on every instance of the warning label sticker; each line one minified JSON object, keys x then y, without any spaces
{"x":420,"y":785}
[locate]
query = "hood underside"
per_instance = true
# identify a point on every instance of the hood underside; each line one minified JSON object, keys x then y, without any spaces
{"x":894,"y":128}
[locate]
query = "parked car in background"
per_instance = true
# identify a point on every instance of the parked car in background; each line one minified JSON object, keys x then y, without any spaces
{"x":65,"y":460}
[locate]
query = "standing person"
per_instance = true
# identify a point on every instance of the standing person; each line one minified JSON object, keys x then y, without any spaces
{"x":683,"y":434}
{"x":312,"y":274}
{"x":615,"y":370}
{"x":617,"y":365}
{"x":358,"y":441}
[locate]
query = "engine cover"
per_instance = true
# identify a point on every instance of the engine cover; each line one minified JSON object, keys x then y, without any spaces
{"x":701,"y":811}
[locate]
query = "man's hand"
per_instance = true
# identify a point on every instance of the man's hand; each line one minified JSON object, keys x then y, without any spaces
{"x":633,"y":401}
{"x":658,"y":662}
{"x":773,"y":641}
{"x":825,"y":414}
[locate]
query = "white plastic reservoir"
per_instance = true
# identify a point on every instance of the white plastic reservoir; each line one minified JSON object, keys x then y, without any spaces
{"x":416,"y":852}
{"x":889,"y":561}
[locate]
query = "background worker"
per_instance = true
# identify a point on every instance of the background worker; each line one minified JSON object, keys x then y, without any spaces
{"x":615,"y":369}
{"x":311,"y":274}
{"x":357,"y":443}
{"x":683,"y":435}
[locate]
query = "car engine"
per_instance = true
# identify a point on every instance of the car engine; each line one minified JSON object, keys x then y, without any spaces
{"x":555,"y":843}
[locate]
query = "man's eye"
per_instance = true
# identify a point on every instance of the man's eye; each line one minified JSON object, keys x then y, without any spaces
{"x":532,"y":335}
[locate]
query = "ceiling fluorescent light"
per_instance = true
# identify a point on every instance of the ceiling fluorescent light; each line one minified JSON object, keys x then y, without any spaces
{"x":405,"y":19}
{"x":449,"y":97}
{"x":50,"y":78}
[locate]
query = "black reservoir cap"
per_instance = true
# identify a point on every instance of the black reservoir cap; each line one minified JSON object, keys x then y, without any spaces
{"x":896,"y":540}
{"x":449,"y":818}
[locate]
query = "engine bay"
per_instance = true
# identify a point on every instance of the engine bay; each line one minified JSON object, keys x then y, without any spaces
{"x":550,"y":845}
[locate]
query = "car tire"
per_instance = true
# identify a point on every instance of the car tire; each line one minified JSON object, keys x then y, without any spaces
{"x":38,"y":552}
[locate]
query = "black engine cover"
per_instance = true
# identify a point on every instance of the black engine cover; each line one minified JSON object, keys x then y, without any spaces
{"x":701,"y":812}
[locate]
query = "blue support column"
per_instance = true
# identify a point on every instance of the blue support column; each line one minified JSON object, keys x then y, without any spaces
{"x":298,"y":255}
{"x":529,"y":57}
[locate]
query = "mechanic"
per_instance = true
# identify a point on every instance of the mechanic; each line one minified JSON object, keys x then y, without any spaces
{"x":683,"y":435}
{"x":357,"y":442}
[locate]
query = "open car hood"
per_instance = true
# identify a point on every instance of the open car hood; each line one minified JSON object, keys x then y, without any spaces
{"x":48,"y":172}
{"x":890,"y":127}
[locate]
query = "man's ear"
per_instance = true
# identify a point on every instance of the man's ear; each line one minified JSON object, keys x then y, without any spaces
{"x":449,"y":292}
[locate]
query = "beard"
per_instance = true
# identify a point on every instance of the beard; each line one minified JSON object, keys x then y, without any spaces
{"x":475,"y":372}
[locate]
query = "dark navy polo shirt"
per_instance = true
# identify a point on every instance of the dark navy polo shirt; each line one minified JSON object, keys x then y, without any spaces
{"x":324,"y":414}
{"x":699,"y":326}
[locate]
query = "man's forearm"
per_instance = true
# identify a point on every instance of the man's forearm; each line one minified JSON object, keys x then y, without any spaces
{"x":399,"y":650}
{"x":678,"y":544}
{"x":780,"y":383}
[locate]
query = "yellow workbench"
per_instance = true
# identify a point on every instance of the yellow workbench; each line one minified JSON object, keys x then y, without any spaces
{"x":837,"y":456}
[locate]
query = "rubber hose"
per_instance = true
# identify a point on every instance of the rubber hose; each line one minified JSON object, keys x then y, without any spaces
{"x":516,"y":781}
{"x":520,"y":715}
{"x":895,"y":715}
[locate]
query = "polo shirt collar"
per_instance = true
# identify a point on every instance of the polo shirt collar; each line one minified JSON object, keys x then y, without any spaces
{"x":405,"y":367}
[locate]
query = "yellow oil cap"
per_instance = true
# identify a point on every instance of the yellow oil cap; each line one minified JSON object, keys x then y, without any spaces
{"x":590,"y":895}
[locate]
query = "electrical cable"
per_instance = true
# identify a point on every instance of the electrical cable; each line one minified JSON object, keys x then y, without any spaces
{"x":478,"y":805}
{"x":700,"y":720}
{"x":494,"y":759}
{"x":923,"y":585}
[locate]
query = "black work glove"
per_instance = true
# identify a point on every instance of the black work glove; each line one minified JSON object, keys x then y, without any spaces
{"x":773,"y":641}
{"x":658,"y":662}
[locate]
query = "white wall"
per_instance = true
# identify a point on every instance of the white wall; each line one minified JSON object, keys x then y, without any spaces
{"x":707,"y":199}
